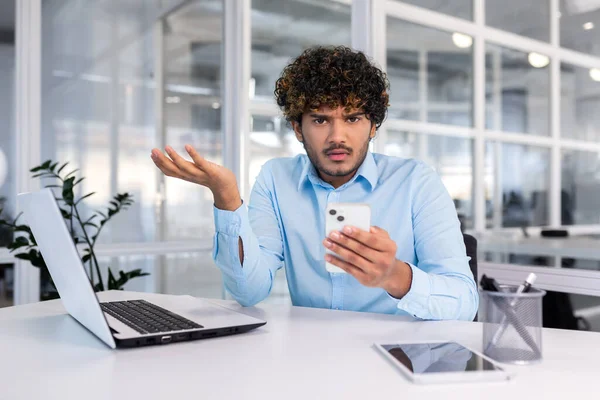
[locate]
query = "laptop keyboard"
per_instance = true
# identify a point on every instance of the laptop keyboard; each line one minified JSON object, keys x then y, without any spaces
{"x":146,"y":317}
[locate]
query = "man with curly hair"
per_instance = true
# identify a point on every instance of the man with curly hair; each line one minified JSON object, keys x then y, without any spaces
{"x":412,"y":261}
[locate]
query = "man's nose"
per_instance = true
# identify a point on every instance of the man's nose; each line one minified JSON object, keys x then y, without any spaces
{"x":337,"y":132}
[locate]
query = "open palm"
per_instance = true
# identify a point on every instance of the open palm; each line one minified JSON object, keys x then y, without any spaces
{"x":201,"y":171}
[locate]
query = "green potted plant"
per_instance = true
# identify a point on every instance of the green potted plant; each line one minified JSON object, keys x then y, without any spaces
{"x":82,"y":231}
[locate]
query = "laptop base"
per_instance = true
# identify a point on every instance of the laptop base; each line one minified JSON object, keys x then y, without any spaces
{"x":166,"y":338}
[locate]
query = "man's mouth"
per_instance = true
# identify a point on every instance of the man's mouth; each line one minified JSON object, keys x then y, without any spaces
{"x":337,"y":155}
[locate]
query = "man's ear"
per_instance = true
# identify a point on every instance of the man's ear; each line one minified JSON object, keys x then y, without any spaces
{"x":373,"y":131}
{"x":298,"y":131}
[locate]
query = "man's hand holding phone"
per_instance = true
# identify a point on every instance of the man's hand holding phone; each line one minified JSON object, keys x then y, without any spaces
{"x":371,"y":258}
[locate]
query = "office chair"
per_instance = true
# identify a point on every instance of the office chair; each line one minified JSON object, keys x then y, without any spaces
{"x":471,"y":246}
{"x":558,"y":310}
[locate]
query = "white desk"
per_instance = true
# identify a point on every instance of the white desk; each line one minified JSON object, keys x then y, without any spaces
{"x":301,"y":353}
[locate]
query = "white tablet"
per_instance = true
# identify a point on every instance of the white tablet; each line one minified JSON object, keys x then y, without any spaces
{"x":442,"y":362}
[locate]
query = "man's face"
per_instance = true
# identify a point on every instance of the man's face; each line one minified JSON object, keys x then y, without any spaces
{"x":335,"y":141}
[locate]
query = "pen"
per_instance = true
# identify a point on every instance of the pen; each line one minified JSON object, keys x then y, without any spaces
{"x":523,"y":288}
{"x":509,"y":314}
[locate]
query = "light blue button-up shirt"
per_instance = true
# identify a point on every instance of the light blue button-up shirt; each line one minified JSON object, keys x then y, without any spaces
{"x":284,"y":225}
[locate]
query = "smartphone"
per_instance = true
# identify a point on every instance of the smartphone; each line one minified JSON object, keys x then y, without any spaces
{"x":442,"y":362}
{"x":338,"y":215}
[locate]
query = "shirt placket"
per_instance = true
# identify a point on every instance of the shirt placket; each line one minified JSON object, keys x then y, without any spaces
{"x":337,"y":280}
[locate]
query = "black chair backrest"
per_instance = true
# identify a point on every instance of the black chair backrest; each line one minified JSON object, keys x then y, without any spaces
{"x":471,"y":245}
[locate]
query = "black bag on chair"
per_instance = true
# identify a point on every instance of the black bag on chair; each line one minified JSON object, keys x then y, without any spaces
{"x":557,"y":307}
{"x":558,"y":313}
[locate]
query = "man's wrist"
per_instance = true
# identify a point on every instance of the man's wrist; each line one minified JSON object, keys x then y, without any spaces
{"x":400,"y":280}
{"x":228,"y":201}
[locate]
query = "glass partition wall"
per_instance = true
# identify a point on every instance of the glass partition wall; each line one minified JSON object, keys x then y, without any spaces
{"x":501,"y":98}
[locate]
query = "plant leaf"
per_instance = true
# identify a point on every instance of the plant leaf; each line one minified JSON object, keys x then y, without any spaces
{"x":71,"y":173}
{"x":112,"y":283}
{"x":42,"y":174}
{"x":32,"y":239}
{"x":20,"y":241}
{"x":62,"y":167}
{"x":23,"y":256}
{"x":84,"y":197}
{"x":53,"y":166}
{"x":90,"y":218}
{"x":66,"y":214}
{"x":22,"y":228}
{"x":102,"y":214}
{"x":17,"y":217}
{"x":67,"y":192}
{"x":40,"y":167}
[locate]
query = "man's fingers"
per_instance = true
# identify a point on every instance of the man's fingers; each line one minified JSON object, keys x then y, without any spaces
{"x":165,"y":165}
{"x":357,"y":247}
{"x":378,"y":231}
{"x":370,"y":239}
{"x":185,"y":166}
{"x":349,"y":268}
{"x":348,"y":255}
{"x":198,"y":160}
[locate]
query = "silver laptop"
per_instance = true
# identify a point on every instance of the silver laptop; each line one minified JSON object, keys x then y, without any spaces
{"x":120,"y":323}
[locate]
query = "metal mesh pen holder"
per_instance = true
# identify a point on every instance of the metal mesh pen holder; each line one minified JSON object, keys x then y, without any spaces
{"x":512,"y":324}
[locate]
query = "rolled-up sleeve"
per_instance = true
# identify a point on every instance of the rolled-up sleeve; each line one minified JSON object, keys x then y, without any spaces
{"x":443,"y":286}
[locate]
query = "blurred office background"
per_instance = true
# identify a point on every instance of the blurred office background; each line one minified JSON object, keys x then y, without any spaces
{"x":501,"y":97}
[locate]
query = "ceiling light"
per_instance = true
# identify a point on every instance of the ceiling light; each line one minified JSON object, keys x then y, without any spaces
{"x":216,"y":105}
{"x":538,"y":60}
{"x":588,"y":25}
{"x":172,"y":99}
{"x":461,"y":40}
{"x":595,"y":74}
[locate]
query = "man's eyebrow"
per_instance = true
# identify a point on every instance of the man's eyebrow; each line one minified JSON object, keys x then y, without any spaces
{"x":355,"y":114}
{"x":324,"y":116}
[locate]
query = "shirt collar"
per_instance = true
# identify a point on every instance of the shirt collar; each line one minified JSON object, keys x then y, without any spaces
{"x":368,"y":170}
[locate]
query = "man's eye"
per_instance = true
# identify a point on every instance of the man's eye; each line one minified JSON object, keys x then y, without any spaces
{"x":319,"y":121}
{"x":353,"y":119}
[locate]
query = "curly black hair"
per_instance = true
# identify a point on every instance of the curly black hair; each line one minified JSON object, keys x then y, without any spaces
{"x":332,"y":76}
